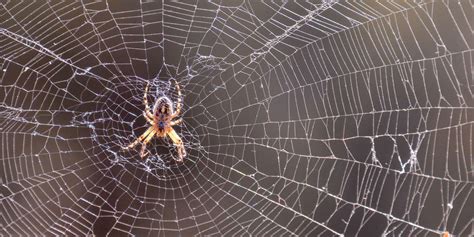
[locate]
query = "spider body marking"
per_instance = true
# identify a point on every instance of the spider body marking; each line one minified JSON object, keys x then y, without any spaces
{"x":162,"y":115}
{"x":161,"y":123}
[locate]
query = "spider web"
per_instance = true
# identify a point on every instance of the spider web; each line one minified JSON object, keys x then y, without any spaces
{"x":333,"y":118}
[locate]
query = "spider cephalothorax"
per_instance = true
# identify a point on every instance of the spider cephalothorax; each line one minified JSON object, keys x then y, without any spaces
{"x":161,"y":121}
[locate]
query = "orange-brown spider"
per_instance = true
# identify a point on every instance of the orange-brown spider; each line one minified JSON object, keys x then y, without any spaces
{"x":161,"y":121}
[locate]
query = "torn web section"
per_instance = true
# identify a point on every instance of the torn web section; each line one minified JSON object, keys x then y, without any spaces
{"x":363,"y":113}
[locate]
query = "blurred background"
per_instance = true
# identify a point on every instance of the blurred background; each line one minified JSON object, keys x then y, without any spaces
{"x":330,"y":117}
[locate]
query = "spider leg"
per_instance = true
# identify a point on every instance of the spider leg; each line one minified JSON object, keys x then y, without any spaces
{"x":179,"y":104}
{"x":179,"y":144}
{"x":172,"y":123}
{"x":150,"y":120}
{"x":139,"y":139}
{"x":145,"y":101}
{"x":143,"y":153}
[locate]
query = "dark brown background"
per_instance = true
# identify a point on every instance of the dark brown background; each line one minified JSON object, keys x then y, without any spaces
{"x":300,"y":119}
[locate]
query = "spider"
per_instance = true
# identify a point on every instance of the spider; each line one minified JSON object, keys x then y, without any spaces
{"x":161,"y":121}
